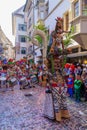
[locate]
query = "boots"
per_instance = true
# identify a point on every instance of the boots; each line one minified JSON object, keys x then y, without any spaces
{"x":58,"y":116}
{"x":65,"y":114}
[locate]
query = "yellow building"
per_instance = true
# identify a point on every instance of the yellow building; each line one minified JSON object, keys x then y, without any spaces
{"x":6,"y":47}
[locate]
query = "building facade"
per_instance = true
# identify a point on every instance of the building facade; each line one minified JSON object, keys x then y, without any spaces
{"x":54,"y":10}
{"x":6,"y":47}
{"x":79,"y":21}
{"x":31,"y":18}
{"x":19,"y":30}
{"x":73,"y":12}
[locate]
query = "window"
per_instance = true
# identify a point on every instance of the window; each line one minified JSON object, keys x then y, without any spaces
{"x":22,"y":38}
{"x":84,"y":7}
{"x":23,"y":50}
{"x":22,"y":27}
{"x":76,"y":9}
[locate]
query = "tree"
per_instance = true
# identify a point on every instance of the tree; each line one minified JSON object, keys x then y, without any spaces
{"x":68,"y":37}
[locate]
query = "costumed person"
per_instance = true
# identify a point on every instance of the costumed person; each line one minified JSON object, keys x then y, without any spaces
{"x":70,"y":84}
{"x":85,"y":84}
{"x":55,"y":100}
{"x":77,"y":88}
{"x":78,"y":70}
{"x":59,"y":99}
{"x":48,"y":111}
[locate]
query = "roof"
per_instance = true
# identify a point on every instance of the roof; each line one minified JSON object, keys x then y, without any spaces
{"x":73,"y":44}
{"x":3,"y":39}
{"x":19,"y":11}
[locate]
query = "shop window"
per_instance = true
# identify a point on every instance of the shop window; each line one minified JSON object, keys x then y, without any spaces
{"x":76,"y":9}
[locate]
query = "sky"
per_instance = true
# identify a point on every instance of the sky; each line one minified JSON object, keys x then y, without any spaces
{"x":6,"y":9}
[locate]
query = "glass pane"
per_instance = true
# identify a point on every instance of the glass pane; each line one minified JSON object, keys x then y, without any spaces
{"x":76,"y":9}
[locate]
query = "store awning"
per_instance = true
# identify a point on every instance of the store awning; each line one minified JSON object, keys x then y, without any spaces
{"x":77,"y":54}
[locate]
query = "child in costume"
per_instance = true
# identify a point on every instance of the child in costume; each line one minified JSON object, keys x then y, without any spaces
{"x":70,"y":84}
{"x":77,"y":88}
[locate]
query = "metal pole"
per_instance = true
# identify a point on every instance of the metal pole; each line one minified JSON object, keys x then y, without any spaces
{"x":33,"y":29}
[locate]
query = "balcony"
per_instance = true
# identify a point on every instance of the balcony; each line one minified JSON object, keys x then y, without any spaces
{"x":79,"y":22}
{"x":80,"y":31}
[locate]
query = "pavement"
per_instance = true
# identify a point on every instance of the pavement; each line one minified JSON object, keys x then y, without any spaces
{"x":23,"y":110}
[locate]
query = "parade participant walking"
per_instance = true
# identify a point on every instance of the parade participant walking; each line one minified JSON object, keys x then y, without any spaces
{"x":55,"y":106}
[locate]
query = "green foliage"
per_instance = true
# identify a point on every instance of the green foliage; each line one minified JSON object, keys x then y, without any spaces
{"x":38,"y":38}
{"x":41,"y":27}
{"x":29,"y":39}
{"x":67,"y":41}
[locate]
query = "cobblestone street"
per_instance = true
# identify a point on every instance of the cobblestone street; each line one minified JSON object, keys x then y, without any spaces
{"x":23,"y":110}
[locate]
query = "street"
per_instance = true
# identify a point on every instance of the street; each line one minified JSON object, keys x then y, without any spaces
{"x":23,"y":110}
